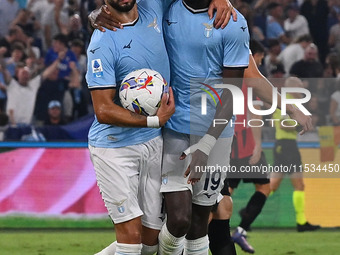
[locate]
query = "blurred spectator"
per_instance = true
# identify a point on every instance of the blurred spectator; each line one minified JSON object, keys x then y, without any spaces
{"x":39,"y":8}
{"x":21,"y":95}
{"x":334,"y":109}
{"x":8,"y":12}
{"x":274,"y":28}
{"x":66,"y":56}
{"x":277,"y":71}
{"x":17,"y":56}
{"x":334,"y":36}
{"x":5,"y":77}
{"x":318,"y":117}
{"x":270,"y":61}
{"x":316,"y":13}
{"x":15,"y":34}
{"x":294,"y":52}
{"x":22,"y":92}
{"x":3,"y":124}
{"x":54,"y":114}
{"x":75,"y":29}
{"x":295,"y":25}
{"x":54,"y":88}
{"x":55,"y":22}
{"x":310,"y":66}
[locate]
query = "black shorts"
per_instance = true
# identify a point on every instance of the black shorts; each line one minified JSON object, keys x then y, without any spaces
{"x":286,"y":153}
{"x":247,"y":177}
{"x":224,"y":192}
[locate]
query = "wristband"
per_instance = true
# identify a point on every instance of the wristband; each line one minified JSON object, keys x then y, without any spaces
{"x":205,"y":145}
{"x":152,"y":122}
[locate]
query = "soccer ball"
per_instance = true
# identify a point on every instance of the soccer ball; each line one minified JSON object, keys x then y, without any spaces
{"x":141,"y":91}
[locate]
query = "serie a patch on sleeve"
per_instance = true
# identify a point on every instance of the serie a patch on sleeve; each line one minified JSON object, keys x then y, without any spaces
{"x":97,"y":68}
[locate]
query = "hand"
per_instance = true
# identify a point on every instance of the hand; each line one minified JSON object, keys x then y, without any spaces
{"x":167,"y":107}
{"x":3,"y":50}
{"x":61,"y":55}
{"x":198,"y":163}
{"x":101,"y":18}
{"x":304,"y":120}
{"x":224,"y":11}
{"x":256,"y":155}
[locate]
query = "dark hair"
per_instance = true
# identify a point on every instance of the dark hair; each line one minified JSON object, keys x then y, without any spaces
{"x":61,"y":38}
{"x":272,"y":6}
{"x":304,"y":38}
{"x":256,"y":47}
{"x":273,"y":42}
{"x":77,"y":43}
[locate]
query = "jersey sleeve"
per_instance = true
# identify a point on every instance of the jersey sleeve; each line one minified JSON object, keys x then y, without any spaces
{"x":236,"y":44}
{"x":101,"y":61}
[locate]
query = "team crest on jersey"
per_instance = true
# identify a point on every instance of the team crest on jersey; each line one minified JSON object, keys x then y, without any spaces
{"x":120,"y":206}
{"x":155,"y":25}
{"x":97,"y":68}
{"x":165,"y":179}
{"x":208,"y":30}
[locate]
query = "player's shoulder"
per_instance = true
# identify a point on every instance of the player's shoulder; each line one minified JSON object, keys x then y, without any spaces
{"x":237,"y":26}
{"x":101,"y":40}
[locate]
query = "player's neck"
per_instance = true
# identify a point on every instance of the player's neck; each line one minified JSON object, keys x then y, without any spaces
{"x":197,"y":4}
{"x":124,"y":17}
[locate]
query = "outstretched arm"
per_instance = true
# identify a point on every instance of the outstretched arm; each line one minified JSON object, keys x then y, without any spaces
{"x":264,"y":90}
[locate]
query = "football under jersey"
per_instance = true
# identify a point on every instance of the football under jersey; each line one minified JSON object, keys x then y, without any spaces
{"x":197,"y":50}
{"x":113,"y":55}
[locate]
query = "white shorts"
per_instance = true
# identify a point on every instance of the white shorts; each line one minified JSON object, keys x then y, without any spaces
{"x":206,"y":191}
{"x":129,"y":179}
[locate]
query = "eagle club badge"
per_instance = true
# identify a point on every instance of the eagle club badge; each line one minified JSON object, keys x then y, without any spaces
{"x":208,"y":30}
{"x":120,"y":206}
{"x":165,"y":179}
{"x":155,"y":25}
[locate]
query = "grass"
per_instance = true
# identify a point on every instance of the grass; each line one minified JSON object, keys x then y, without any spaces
{"x":76,"y":242}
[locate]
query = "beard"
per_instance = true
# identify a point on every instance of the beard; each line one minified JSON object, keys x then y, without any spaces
{"x":122,"y":8}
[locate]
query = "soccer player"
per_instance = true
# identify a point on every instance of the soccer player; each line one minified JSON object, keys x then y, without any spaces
{"x":247,"y":151}
{"x":286,"y":152}
{"x":126,"y":148}
{"x":197,"y":50}
{"x":219,"y":229}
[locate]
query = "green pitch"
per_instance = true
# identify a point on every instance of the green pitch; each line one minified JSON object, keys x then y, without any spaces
{"x":87,"y":242}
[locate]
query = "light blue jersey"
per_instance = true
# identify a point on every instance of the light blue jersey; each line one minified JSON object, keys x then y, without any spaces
{"x":112,"y":55}
{"x":197,"y":50}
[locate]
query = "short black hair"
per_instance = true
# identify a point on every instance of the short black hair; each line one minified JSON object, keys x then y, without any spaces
{"x":272,"y":6}
{"x":273,"y":42}
{"x":61,"y":38}
{"x":256,"y":47}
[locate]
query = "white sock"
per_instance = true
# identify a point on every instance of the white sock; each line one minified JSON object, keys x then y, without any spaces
{"x":149,"y":250}
{"x":128,"y":249}
{"x":169,"y":244}
{"x":198,"y":246}
{"x":109,"y":250}
{"x":241,"y":231}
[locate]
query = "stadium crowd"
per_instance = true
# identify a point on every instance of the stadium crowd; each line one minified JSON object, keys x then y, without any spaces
{"x":43,"y":42}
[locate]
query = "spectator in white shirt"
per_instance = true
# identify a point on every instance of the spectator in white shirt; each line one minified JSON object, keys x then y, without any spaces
{"x":295,"y":25}
{"x":294,"y":52}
